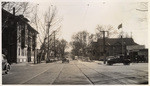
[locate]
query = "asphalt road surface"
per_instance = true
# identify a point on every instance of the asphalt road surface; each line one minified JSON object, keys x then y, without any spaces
{"x":76,"y":73}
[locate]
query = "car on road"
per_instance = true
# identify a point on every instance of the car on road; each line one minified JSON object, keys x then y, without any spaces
{"x":5,"y":64}
{"x":118,"y":59}
{"x":65,"y":60}
{"x":76,"y":58}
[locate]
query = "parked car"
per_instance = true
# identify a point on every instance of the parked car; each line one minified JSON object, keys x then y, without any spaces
{"x":65,"y":60}
{"x":110,"y":57}
{"x":118,"y":59}
{"x":5,"y":64}
{"x":76,"y":58}
{"x":50,"y":60}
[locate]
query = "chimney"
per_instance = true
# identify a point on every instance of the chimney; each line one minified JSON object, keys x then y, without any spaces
{"x":14,"y":11}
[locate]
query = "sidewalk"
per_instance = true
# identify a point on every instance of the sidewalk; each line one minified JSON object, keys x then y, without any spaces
{"x":20,"y":64}
{"x":26,"y":64}
{"x":102,"y":63}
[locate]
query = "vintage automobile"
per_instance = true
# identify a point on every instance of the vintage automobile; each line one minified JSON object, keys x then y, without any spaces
{"x":118,"y":59}
{"x":65,"y":60}
{"x":5,"y":64}
{"x":50,"y":60}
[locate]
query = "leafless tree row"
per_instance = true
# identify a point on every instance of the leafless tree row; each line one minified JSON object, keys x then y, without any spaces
{"x":49,"y":21}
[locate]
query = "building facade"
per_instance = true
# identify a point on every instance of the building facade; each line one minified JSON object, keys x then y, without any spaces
{"x":113,"y":46}
{"x":138,"y":51}
{"x":18,"y":38}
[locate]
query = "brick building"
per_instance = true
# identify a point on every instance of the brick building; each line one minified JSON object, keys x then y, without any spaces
{"x":18,"y":38}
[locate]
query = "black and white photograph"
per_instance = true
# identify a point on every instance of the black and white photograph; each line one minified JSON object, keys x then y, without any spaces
{"x":74,"y":42}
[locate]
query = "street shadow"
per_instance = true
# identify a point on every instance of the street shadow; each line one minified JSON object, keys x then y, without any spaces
{"x":117,"y":65}
{"x":145,"y":83}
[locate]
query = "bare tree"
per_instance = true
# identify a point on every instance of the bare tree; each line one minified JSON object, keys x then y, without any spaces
{"x":61,"y":47}
{"x":111,"y":31}
{"x":21,"y":8}
{"x":48,"y":26}
{"x":80,"y":43}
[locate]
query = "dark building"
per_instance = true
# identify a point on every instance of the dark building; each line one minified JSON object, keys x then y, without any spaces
{"x":138,"y":53}
{"x":18,"y":38}
{"x":113,"y":46}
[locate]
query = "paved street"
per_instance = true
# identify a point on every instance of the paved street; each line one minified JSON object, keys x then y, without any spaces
{"x":76,"y":72}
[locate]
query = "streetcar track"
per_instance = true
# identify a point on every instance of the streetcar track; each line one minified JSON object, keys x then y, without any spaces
{"x":104,"y":75}
{"x":36,"y":75}
{"x":116,"y":73}
{"x":83,"y":71}
{"x":85,"y":75}
{"x":139,"y":70}
{"x":58,"y":74}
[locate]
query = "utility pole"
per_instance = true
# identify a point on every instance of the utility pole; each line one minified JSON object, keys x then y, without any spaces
{"x":48,"y":40}
{"x":34,"y":57}
{"x":54,"y":46}
{"x":121,"y":45}
{"x":34,"y":50}
{"x":104,"y":46}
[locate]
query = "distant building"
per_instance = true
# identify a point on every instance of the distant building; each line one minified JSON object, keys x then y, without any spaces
{"x":18,"y":38}
{"x":113,"y":46}
{"x":138,"y":50}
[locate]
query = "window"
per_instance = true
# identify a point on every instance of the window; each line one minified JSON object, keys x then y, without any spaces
{"x":22,"y":37}
{"x":22,"y":52}
{"x":19,"y":52}
{"x":18,"y":38}
{"x":25,"y":53}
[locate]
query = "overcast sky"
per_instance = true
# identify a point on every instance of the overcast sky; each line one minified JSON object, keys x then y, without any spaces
{"x":79,"y":15}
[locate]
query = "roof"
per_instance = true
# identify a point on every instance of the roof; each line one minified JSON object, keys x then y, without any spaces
{"x":32,"y":29}
{"x":4,"y":11}
{"x":114,"y":41}
{"x":143,"y":49}
{"x":10,"y":15}
{"x":19,"y":18}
